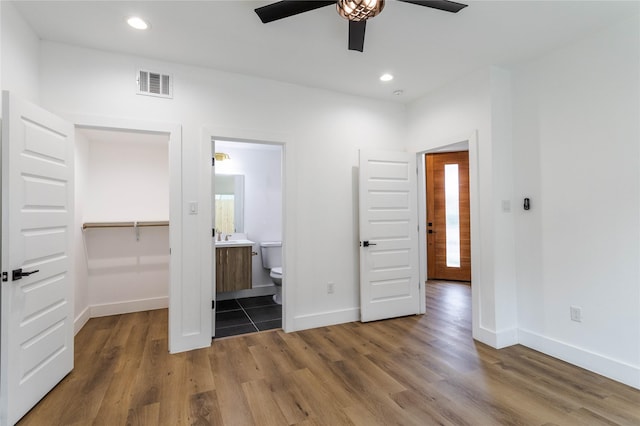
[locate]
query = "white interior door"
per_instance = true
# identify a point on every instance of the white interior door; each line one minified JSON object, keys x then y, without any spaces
{"x":36,"y":346}
{"x":389,"y":262}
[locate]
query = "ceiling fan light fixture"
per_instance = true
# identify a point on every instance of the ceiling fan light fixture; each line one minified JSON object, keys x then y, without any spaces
{"x":359,"y":10}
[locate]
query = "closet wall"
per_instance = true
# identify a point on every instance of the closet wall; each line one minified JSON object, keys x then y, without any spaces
{"x":123,"y":177}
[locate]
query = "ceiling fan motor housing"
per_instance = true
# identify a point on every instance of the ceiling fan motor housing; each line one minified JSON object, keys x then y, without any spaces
{"x":355,"y":11}
{"x":359,"y":10}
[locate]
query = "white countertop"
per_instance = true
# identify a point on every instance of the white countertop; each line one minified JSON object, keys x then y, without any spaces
{"x":234,"y":243}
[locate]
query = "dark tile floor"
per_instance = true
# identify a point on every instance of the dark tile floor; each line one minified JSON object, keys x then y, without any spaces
{"x":240,"y":316}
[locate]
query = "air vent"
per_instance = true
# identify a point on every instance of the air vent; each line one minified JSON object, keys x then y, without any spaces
{"x":155,"y":84}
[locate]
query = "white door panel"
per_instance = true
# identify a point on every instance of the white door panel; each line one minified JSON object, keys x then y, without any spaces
{"x":42,"y":139}
{"x":37,"y":233}
{"x":389,"y":268}
{"x":44,"y":192}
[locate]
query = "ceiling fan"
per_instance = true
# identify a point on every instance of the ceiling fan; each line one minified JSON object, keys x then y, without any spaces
{"x":356,"y":11}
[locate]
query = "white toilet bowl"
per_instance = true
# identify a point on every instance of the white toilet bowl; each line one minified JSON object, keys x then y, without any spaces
{"x":276,"y":277}
{"x":272,"y":260}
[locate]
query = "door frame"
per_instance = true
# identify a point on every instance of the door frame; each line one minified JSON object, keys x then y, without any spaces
{"x":208,"y":271}
{"x":178,"y":341}
{"x":471,"y":145}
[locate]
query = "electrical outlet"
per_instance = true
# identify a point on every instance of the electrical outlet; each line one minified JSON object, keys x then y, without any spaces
{"x":576,"y":313}
{"x":331,"y":287}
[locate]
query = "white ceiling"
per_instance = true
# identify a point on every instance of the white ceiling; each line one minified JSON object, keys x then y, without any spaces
{"x":424,"y":48}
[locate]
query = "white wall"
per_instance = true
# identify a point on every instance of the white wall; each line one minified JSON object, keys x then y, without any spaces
{"x":126,"y":180}
{"x":479,"y":103}
{"x":261,"y":166}
{"x":20,"y":49}
{"x":324,"y":132}
{"x":126,"y":275}
{"x":577,"y":156}
{"x":1,"y":51}
{"x":562,"y":130}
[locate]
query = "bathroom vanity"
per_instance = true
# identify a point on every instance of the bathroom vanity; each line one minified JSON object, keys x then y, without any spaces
{"x":233,"y":265}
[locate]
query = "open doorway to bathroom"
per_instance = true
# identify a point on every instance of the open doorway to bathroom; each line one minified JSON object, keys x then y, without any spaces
{"x":247,"y":236}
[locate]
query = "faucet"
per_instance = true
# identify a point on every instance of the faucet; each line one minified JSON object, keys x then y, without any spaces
{"x":226,"y":237}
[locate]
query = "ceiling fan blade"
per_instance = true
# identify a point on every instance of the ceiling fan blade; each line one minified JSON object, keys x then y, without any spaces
{"x":447,"y":6}
{"x":356,"y":35}
{"x":284,"y":9}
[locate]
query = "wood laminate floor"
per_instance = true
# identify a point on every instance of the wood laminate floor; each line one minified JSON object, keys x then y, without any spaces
{"x":418,"y":370}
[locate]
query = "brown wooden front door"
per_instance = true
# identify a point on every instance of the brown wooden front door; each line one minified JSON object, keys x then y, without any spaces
{"x":448,"y":218}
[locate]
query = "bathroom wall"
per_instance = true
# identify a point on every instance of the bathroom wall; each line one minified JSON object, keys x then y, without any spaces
{"x":261,"y":165}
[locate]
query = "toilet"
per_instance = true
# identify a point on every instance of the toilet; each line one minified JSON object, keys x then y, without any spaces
{"x":271,"y":252}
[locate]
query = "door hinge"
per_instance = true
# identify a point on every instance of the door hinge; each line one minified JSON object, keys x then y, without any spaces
{"x":213,"y":161}
{"x":213,"y":304}
{"x":5,"y":277}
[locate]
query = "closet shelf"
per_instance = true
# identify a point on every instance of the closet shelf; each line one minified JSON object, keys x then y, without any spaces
{"x":91,"y":225}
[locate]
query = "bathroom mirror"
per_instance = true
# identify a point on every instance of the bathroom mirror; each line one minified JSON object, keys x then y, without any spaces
{"x":229,"y":203}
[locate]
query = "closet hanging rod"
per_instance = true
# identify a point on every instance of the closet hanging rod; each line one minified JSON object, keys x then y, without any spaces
{"x":90,"y":225}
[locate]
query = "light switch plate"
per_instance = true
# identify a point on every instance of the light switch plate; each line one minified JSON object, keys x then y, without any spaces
{"x":193,"y":207}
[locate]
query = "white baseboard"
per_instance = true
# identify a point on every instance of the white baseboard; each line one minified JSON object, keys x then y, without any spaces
{"x":497,"y":340}
{"x":603,"y":365}
{"x":323,"y":319}
{"x":81,"y":320}
{"x":128,"y":306}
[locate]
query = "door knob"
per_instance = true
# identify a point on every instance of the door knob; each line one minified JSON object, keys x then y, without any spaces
{"x":367,"y":244}
{"x":17,"y":274}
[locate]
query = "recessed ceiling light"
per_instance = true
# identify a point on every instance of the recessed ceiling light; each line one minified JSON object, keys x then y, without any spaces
{"x":386,"y":77}
{"x":137,"y":23}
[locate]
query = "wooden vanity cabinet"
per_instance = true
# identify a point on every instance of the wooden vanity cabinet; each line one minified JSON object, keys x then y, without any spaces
{"x":233,"y":268}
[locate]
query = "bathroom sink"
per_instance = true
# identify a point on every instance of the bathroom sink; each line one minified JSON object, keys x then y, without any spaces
{"x":234,"y":243}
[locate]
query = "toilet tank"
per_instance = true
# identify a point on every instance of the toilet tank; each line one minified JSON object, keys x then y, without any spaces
{"x":271,"y":252}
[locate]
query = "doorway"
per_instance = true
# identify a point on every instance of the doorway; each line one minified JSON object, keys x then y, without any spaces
{"x":122,"y":207}
{"x":180,"y":335}
{"x":247,"y":207}
{"x":448,"y":237}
